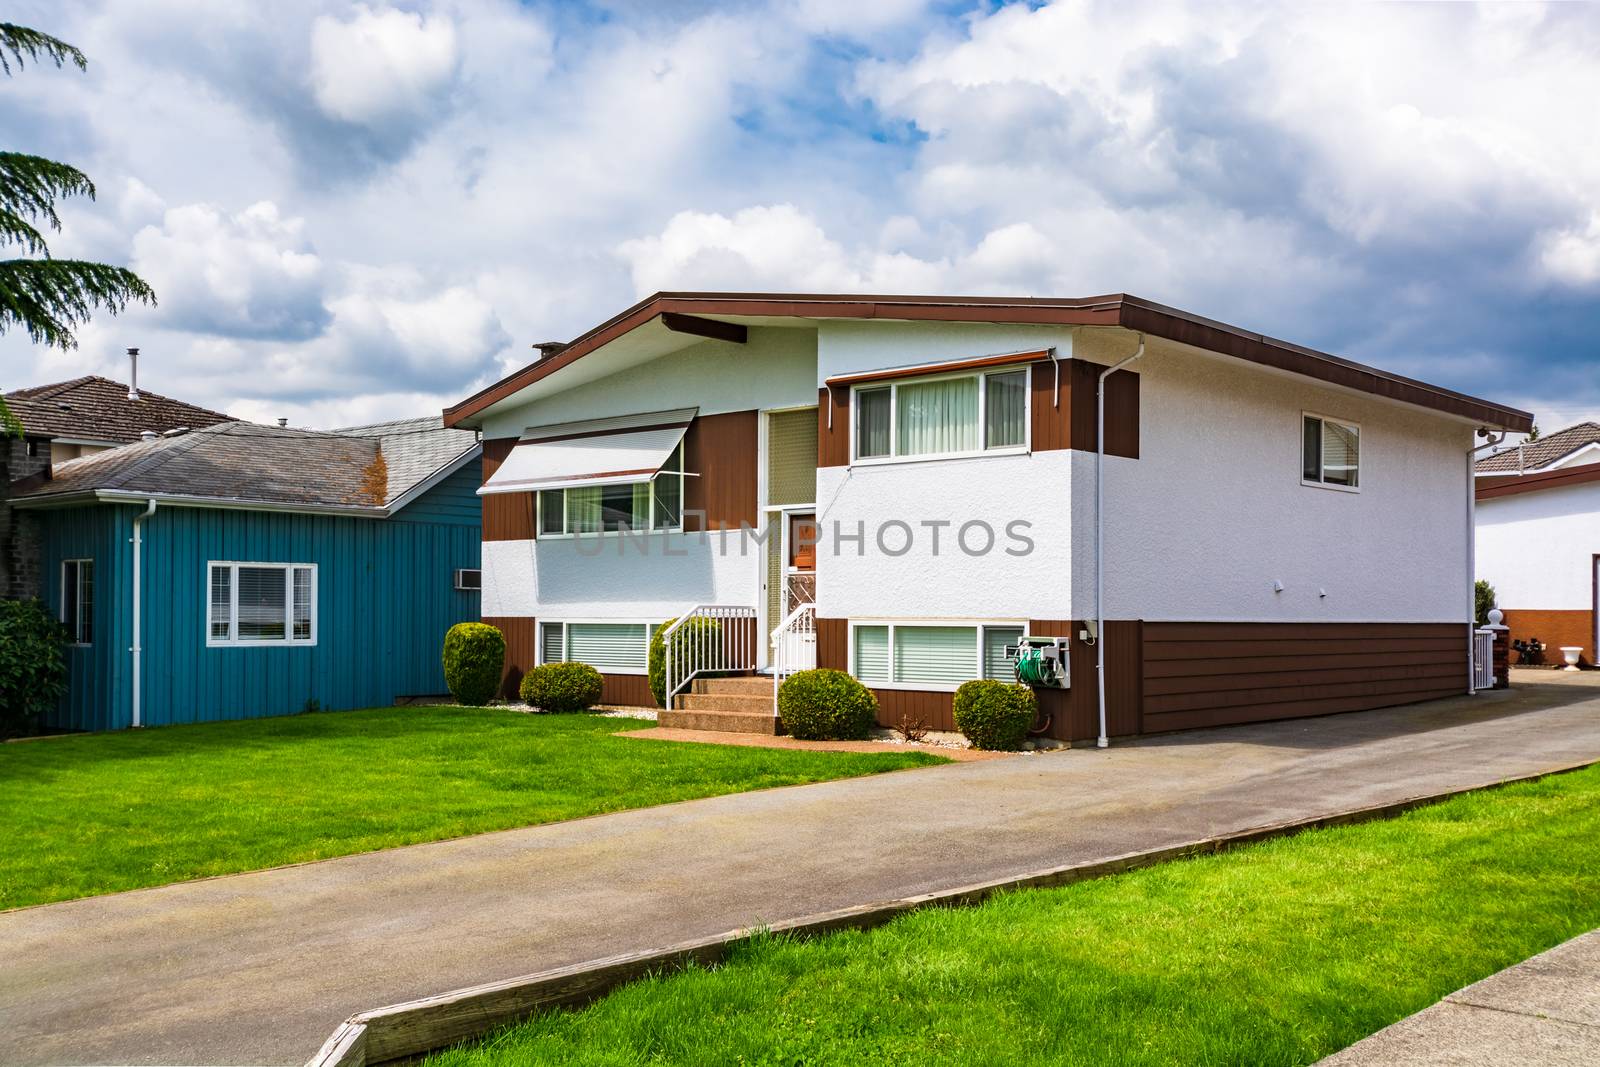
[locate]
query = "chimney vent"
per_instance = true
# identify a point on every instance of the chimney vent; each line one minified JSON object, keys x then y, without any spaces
{"x":549,"y":348}
{"x":147,"y":435}
{"x":283,"y":422}
{"x":133,"y":381}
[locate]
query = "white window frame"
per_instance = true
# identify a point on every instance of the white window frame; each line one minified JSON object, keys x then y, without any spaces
{"x":539,"y":657}
{"x":233,"y":640}
{"x":893,"y":385}
{"x":74,"y":642}
{"x":1361,"y":448}
{"x":978,"y":626}
{"x":650,"y":519}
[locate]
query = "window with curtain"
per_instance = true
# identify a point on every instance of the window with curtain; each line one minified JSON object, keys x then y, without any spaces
{"x":589,"y":509}
{"x":942,"y":416}
{"x":1330,"y":452}
{"x":262,"y":604}
{"x":931,"y":655}
{"x":77,"y":600}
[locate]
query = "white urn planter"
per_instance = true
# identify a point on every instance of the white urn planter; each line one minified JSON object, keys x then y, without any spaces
{"x":1570,"y":653}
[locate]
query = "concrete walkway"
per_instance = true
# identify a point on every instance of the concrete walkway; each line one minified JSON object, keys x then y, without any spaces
{"x":1544,"y":1012}
{"x":259,"y":968}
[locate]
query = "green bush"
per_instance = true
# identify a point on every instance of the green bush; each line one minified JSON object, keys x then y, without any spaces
{"x":656,"y":663}
{"x":995,"y":715}
{"x":562,"y":687}
{"x":474,"y":657}
{"x":33,"y":664}
{"x":1482,"y":600}
{"x":824,"y":705}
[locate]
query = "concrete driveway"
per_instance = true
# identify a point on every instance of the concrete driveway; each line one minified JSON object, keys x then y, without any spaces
{"x":259,"y":968}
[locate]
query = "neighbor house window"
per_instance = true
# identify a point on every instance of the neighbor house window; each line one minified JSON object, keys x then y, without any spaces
{"x":586,"y":509}
{"x":77,"y":600}
{"x":955,"y":415}
{"x":1330,"y":452}
{"x":609,"y":647}
{"x":262,"y":604}
{"x":931,"y":656}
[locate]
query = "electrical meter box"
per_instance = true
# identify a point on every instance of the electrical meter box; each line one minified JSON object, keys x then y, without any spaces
{"x":1041,"y":662}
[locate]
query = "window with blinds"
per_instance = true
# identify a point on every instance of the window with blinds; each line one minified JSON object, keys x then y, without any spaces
{"x":261,"y":604}
{"x":609,"y":647}
{"x":552,"y":642}
{"x":77,"y":600}
{"x":947,"y":416}
{"x":1330,"y":452}
{"x":933,"y":656}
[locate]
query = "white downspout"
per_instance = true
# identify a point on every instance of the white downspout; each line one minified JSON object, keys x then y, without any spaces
{"x":1494,"y":438}
{"x":138,"y":614}
{"x":1099,"y":534}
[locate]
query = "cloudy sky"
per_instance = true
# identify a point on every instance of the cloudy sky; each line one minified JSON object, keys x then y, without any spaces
{"x":353,"y":211}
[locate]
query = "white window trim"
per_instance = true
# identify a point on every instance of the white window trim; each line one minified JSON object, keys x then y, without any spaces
{"x":893,"y":386}
{"x":539,"y":659}
{"x":233,"y":640}
{"x":1360,"y":454}
{"x":79,"y":606}
{"x":978,"y":625}
{"x":650,"y":524}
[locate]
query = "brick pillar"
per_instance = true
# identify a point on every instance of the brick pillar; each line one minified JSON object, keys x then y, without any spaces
{"x":1502,"y":648}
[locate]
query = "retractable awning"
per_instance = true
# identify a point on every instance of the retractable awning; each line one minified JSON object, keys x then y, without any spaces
{"x":617,"y":451}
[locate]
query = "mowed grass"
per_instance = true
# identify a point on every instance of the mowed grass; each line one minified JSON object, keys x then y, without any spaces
{"x":1280,"y":953}
{"x":105,"y":812}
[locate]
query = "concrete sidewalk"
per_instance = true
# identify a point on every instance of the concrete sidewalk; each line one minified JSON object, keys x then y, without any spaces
{"x":260,"y":967}
{"x":1543,"y":1012}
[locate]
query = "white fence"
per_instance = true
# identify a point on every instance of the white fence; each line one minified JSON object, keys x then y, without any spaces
{"x":1482,"y":659}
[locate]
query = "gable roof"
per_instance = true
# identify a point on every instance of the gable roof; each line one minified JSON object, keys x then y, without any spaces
{"x":373,"y":470}
{"x":1117,"y":309}
{"x":97,"y":409}
{"x":1537,"y":455}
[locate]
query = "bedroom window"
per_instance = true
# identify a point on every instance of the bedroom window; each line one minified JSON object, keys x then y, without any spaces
{"x":77,"y":600}
{"x":957,"y":415}
{"x":608,"y":647}
{"x":588,"y":509}
{"x":1330,"y":453}
{"x":926,"y":656}
{"x":262,"y":604}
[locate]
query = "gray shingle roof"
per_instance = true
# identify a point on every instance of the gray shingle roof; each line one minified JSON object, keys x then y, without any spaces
{"x":93,"y":408}
{"x":1539,"y":454}
{"x":366,"y":467}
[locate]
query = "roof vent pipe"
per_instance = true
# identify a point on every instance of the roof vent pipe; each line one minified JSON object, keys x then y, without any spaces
{"x":549,"y":348}
{"x":133,"y":380}
{"x":148,"y":435}
{"x":283,"y":421}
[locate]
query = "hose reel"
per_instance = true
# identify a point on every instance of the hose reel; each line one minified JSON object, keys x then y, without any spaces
{"x":1041,"y":662}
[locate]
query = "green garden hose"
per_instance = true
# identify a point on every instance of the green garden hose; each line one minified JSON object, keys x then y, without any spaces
{"x":1032,"y":669}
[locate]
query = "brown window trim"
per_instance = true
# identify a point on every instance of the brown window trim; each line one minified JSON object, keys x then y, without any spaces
{"x":948,"y":367}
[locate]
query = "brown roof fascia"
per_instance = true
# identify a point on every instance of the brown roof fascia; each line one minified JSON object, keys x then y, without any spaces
{"x":1110,"y":310}
{"x":1489,"y":488}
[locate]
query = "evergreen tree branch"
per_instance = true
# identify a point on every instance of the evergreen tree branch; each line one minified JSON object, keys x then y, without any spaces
{"x":21,"y":41}
{"x":49,"y":297}
{"x":16,"y":231}
{"x":9,"y":426}
{"x":30,"y":186}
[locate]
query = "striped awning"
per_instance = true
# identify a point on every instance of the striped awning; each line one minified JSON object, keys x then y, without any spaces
{"x":617,"y":451}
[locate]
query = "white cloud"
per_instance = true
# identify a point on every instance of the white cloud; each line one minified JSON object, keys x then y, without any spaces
{"x":1572,"y":256}
{"x":381,"y":63}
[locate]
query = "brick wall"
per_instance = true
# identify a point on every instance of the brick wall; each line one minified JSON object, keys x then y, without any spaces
{"x":19,"y":534}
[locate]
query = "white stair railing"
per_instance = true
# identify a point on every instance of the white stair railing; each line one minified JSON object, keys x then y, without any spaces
{"x":1482,"y":659}
{"x":708,"y":639}
{"x":794,"y":647}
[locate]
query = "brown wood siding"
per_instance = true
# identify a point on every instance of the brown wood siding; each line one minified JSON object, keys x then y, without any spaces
{"x":1075,"y":712}
{"x":506,"y":516}
{"x":1070,"y":420}
{"x":1554,"y":629}
{"x":833,"y":444}
{"x":1215,"y":674}
{"x":628,"y":690}
{"x":723,"y":451}
{"x":522,"y":651}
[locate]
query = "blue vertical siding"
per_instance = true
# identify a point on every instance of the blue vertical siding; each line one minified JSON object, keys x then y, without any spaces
{"x":385,"y":598}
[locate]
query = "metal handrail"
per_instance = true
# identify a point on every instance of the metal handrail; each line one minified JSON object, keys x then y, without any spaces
{"x":731,"y":650}
{"x":802,"y":620}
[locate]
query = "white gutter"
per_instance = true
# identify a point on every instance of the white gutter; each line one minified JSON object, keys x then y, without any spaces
{"x":138,"y":650}
{"x":1494,"y":438}
{"x":1099,"y":534}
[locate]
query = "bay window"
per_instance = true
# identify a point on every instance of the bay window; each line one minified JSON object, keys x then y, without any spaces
{"x":942,"y":416}
{"x":261,"y":604}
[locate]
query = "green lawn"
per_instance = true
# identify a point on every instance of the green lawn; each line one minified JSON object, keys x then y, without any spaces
{"x":1280,"y":953}
{"x":104,"y":812}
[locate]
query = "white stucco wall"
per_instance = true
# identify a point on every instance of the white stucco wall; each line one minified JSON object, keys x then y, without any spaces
{"x":1537,"y":549}
{"x":1213,"y":511}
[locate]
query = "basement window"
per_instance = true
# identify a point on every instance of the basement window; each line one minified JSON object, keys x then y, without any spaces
{"x":1330,"y":453}
{"x":262,"y":604}
{"x":608,"y":647}
{"x":932,"y":657}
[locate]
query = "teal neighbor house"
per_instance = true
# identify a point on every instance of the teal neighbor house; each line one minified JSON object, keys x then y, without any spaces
{"x":244,"y":570}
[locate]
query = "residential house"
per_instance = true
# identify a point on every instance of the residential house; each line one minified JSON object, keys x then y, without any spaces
{"x":904,"y":487}
{"x":244,"y":570}
{"x":1572,"y":447}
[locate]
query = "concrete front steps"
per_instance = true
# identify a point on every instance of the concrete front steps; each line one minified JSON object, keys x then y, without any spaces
{"x":736,"y":705}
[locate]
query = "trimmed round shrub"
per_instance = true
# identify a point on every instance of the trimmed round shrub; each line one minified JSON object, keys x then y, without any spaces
{"x":656,"y":662}
{"x":995,"y":715}
{"x":562,"y":687}
{"x":474,"y":657}
{"x":33,"y":664}
{"x":824,"y":705}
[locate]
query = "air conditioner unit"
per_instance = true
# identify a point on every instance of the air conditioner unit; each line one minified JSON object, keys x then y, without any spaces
{"x":469,"y":578}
